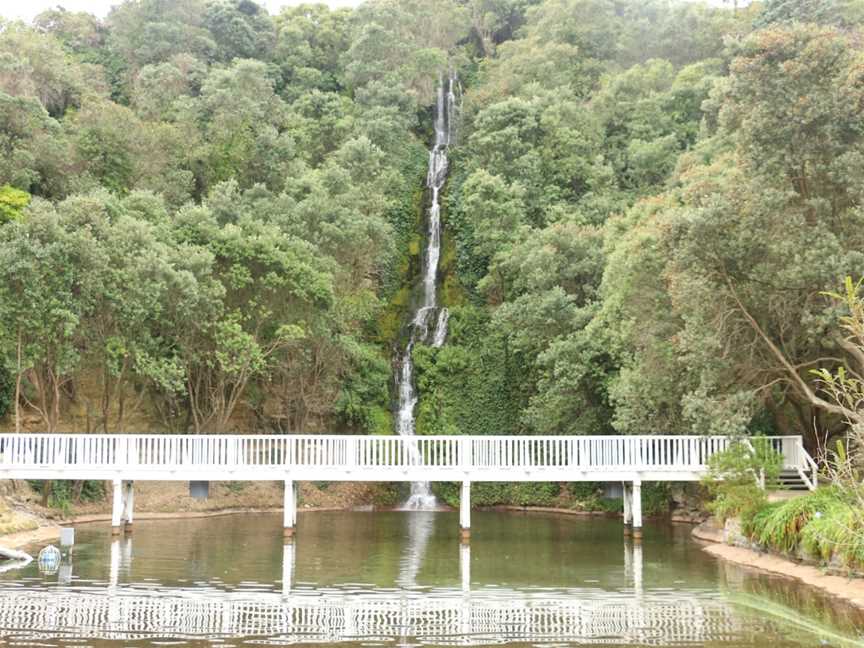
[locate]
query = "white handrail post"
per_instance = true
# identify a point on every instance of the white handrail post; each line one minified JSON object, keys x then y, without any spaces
{"x":351,"y":451}
{"x":465,"y":453}
{"x":121,"y":456}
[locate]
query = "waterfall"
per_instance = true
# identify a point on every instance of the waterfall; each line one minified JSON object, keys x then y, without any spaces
{"x":427,"y":314}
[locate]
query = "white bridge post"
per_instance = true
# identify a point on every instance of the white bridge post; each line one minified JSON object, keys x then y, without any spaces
{"x":128,"y":504}
{"x":290,"y":508}
{"x":122,"y":504}
{"x":636,"y":505}
{"x":465,"y":511}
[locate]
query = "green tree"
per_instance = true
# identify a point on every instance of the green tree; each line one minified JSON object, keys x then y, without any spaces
{"x":12,"y":203}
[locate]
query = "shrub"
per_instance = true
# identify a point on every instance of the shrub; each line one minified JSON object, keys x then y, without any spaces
{"x":835,"y":531}
{"x":656,"y":497}
{"x":583,"y":491}
{"x":493,"y":493}
{"x":779,"y":526}
{"x":65,"y":493}
{"x":732,"y":479}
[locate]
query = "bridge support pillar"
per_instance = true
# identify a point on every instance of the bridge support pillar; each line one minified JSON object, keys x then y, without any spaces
{"x":117,"y":507}
{"x":122,"y":504}
{"x":627,"y":495}
{"x":128,"y":504}
{"x":636,"y":506}
{"x":290,"y":508}
{"x":465,"y":512}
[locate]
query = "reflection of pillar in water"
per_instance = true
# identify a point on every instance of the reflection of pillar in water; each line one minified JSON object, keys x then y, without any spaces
{"x":465,"y":566}
{"x":126,"y":554}
{"x":465,"y":573}
{"x":114,"y":576}
{"x":637,"y":569}
{"x":288,"y":557}
{"x":64,"y":574}
{"x":633,"y":565}
{"x":628,"y":560}
{"x":114,"y":573}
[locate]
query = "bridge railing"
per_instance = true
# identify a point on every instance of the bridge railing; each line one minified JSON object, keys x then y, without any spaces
{"x":478,"y":453}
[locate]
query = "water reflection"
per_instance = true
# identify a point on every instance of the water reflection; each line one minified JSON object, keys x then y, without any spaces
{"x":421,"y":526}
{"x":289,"y":556}
{"x":601,"y":589}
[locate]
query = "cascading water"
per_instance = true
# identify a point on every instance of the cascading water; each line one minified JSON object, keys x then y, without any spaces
{"x":427,"y":313}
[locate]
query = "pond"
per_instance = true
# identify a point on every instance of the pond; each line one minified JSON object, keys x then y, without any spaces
{"x":403,"y":578}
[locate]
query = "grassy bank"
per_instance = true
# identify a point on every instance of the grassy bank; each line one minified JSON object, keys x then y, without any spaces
{"x":825,"y":526}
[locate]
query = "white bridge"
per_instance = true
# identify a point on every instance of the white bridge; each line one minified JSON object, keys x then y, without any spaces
{"x":124,"y":459}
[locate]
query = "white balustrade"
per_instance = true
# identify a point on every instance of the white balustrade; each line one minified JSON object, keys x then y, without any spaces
{"x":394,"y":458}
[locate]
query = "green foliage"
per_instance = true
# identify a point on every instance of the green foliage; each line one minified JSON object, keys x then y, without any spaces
{"x":471,"y":385}
{"x":7,"y":390}
{"x":779,"y":525}
{"x":235,"y":487}
{"x":364,"y":399}
{"x":835,"y":533}
{"x":645,"y":200}
{"x":734,"y":476}
{"x":65,"y":493}
{"x":495,"y":493}
{"x":656,"y":498}
{"x":824,"y":524}
{"x":12,"y":203}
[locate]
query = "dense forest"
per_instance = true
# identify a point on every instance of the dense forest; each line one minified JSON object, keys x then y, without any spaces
{"x":211,"y":218}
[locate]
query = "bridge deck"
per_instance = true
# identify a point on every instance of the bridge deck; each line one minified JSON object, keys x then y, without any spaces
{"x":369,"y":458}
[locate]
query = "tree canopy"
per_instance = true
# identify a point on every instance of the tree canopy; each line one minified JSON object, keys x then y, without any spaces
{"x":211,"y":217}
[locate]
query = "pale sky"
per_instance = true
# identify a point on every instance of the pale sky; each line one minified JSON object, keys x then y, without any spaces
{"x":27,"y":9}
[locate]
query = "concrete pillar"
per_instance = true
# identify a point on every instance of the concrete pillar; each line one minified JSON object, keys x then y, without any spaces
{"x":636,"y":506}
{"x":128,"y":504}
{"x":117,"y":507}
{"x":465,"y":511}
{"x":628,"y":507}
{"x":290,"y":508}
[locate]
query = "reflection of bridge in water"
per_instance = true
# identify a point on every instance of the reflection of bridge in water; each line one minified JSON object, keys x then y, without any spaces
{"x":448,"y":615}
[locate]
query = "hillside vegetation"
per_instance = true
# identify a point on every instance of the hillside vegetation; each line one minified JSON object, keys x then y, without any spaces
{"x":210,"y":216}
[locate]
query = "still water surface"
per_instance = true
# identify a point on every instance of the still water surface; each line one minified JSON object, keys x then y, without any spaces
{"x":382,"y":579}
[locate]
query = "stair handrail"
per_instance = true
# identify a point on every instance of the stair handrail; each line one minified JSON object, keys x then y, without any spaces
{"x":809,"y":462}
{"x":760,"y":476}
